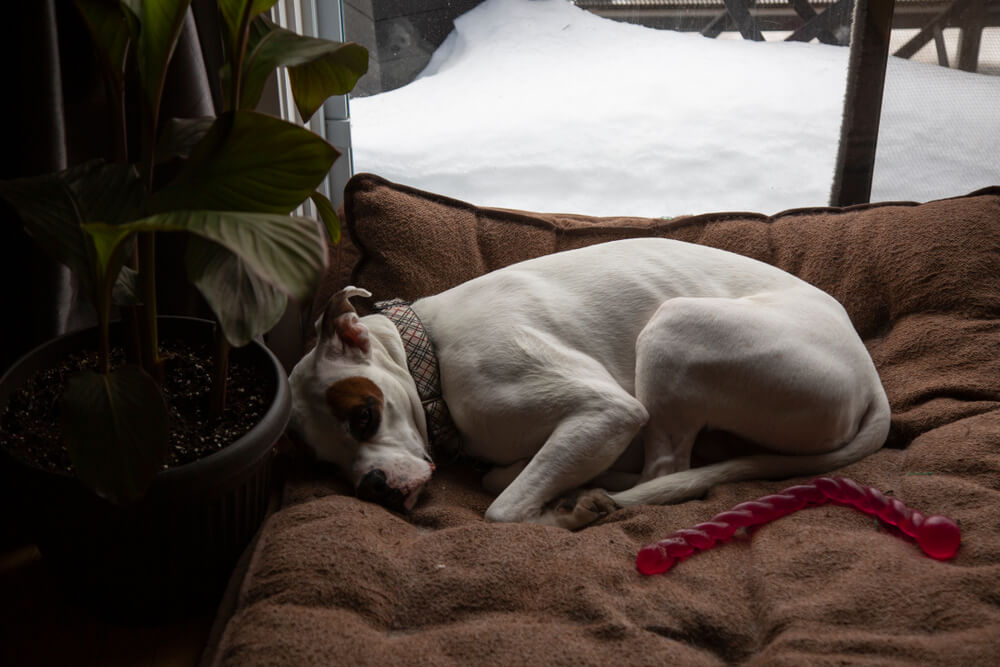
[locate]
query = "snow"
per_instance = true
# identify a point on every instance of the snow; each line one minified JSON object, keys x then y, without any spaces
{"x":539,"y":105}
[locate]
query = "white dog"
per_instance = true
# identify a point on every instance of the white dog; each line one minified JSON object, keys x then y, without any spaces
{"x":592,"y":367}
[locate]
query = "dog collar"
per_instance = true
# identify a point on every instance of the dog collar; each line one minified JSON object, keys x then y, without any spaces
{"x":423,"y":366}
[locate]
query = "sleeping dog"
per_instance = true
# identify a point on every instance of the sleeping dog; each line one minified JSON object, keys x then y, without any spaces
{"x":592,"y":369}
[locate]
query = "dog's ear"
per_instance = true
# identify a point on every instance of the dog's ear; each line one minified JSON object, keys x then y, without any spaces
{"x":340,"y":326}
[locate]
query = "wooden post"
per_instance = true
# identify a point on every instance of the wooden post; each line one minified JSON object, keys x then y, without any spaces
{"x":745,"y":22}
{"x":852,"y":181}
{"x":972,"y":20}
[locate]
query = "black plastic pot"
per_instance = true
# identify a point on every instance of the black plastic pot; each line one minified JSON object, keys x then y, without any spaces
{"x":173,"y":550}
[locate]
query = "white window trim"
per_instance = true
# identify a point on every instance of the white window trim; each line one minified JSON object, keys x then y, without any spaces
{"x":332,"y":121}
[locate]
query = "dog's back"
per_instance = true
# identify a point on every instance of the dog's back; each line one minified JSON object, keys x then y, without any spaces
{"x":596,"y":299}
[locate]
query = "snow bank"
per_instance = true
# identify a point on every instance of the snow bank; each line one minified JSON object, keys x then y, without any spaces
{"x":539,"y":105}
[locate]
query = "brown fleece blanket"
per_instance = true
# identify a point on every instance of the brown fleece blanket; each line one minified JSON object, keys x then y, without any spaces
{"x":333,"y":580}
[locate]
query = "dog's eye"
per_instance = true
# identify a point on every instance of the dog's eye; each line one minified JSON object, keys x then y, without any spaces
{"x":364,"y":422}
{"x":361,"y":419}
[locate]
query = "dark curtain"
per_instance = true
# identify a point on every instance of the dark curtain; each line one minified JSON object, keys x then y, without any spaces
{"x":58,"y":118}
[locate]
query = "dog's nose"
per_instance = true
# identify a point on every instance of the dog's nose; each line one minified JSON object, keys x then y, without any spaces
{"x":376,"y":489}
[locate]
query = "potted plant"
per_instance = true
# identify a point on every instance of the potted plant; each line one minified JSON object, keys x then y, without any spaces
{"x":123,"y":526}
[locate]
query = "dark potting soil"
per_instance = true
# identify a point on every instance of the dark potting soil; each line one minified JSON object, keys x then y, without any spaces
{"x":29,"y":426}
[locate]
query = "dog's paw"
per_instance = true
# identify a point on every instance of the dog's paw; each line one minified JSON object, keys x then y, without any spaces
{"x":579,"y":509}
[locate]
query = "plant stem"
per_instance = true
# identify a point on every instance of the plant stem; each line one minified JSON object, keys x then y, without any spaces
{"x":243,"y":38}
{"x":102,"y":303}
{"x":115,"y":90}
{"x":146,"y":249}
{"x":220,"y":369}
{"x":104,"y":353}
{"x":152,"y":362}
{"x":116,"y":104}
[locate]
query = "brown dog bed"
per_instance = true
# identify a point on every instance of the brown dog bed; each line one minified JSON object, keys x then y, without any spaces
{"x":333,"y":580}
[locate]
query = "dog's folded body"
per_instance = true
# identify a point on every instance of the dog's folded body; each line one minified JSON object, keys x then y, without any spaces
{"x":598,"y":366}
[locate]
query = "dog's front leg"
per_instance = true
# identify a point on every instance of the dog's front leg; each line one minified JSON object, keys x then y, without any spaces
{"x":581,"y":446}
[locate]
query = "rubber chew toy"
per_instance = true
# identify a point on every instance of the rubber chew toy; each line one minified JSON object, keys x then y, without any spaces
{"x":937,"y":535}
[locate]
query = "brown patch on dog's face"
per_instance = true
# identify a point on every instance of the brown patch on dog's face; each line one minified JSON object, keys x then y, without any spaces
{"x":357,"y":402}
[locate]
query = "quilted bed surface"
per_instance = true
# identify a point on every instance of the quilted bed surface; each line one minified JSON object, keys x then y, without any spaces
{"x":333,"y":580}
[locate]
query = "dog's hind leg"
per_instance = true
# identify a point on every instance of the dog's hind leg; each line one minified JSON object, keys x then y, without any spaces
{"x":694,"y":483}
{"x":663,"y":385}
{"x":796,"y":381}
{"x":667,"y":449}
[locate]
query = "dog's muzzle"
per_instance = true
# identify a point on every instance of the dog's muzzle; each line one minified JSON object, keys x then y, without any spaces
{"x":375,"y":488}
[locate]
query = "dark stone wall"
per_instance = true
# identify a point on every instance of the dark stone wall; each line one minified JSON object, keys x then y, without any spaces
{"x":400,"y":35}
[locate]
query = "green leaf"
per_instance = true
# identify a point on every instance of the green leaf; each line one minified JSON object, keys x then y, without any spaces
{"x":108,"y":27}
{"x":106,"y":243}
{"x":245,"y":305}
{"x":131,"y":10}
{"x":110,"y":192}
{"x":329,"y":216}
{"x":257,"y":7}
{"x":50,"y":216}
{"x":235,"y":11}
{"x":53,"y":206}
{"x":116,"y":430}
{"x":109,"y":263}
{"x":133,"y":6}
{"x":313,"y":82}
{"x":249,"y":162}
{"x":181,"y":135}
{"x":288,"y":252}
{"x":161,"y":22}
{"x":252,"y":78}
{"x":318,"y":68}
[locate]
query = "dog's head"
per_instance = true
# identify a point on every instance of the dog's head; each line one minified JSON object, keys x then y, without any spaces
{"x":355,"y":404}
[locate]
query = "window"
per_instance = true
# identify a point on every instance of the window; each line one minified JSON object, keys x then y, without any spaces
{"x":663,"y":107}
{"x":939,"y":134}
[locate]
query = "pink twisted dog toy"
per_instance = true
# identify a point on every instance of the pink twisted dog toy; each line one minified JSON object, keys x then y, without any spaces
{"x":937,"y":535}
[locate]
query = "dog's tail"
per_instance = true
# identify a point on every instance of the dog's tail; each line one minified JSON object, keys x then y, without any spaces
{"x":694,"y":483}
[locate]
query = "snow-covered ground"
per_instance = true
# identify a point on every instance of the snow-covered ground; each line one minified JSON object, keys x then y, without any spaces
{"x":539,"y":105}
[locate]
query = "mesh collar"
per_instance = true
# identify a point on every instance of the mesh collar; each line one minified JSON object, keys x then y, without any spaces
{"x":423,"y":366}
